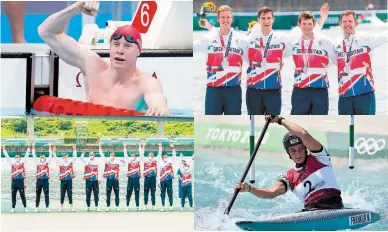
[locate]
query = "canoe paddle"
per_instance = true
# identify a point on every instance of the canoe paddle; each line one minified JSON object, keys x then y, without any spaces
{"x":249,"y":164}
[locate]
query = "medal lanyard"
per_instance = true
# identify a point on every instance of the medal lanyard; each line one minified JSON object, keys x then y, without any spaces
{"x":306,"y":57}
{"x":228,"y":45}
{"x":347,"y":53}
{"x":264,"y":55}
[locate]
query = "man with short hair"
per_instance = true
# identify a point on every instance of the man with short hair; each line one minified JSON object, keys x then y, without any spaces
{"x":18,"y":174}
{"x":267,"y":50}
{"x":226,"y":49}
{"x":355,"y":78}
{"x":311,"y":53}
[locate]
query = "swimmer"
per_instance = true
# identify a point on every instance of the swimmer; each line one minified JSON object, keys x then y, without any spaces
{"x":117,"y":83}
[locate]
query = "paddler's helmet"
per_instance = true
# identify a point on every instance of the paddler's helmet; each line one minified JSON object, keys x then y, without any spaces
{"x":290,"y":140}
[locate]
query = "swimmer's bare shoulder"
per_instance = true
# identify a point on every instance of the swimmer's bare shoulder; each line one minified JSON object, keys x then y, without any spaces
{"x":93,"y":62}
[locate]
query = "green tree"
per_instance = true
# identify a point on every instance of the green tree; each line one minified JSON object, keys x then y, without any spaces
{"x":65,"y":125}
{"x":20,"y":126}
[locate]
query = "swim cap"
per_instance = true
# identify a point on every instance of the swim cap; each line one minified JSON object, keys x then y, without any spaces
{"x":130,"y":34}
{"x":290,"y":140}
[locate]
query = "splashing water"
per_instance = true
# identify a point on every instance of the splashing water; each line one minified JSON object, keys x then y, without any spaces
{"x":217,"y":172}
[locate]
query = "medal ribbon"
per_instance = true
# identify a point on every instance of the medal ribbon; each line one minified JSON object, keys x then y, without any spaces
{"x":305,"y":59}
{"x":227,"y":46}
{"x":264,"y":55}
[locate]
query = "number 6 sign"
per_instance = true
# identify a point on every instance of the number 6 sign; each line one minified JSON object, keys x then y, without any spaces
{"x":144,"y":15}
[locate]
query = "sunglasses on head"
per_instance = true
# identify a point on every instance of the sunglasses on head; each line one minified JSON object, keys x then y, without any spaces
{"x":128,"y":38}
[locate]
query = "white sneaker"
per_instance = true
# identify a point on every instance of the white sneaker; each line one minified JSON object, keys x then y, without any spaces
{"x":171,"y":209}
{"x":98,"y":209}
{"x":72,"y":210}
{"x":182,"y":209}
{"x":191,"y":209}
{"x":86,"y":209}
{"x":25,"y":210}
{"x":107,"y":209}
{"x":127,"y":209}
{"x":145,"y":208}
{"x":118,"y":209}
{"x":162,"y":210}
{"x":47,"y":210}
{"x":137,"y":209}
{"x":154,"y":208}
{"x":13,"y":210}
{"x":36,"y":210}
{"x":60,"y":210}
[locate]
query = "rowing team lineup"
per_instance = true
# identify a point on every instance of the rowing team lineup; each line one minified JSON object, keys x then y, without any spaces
{"x":155,"y":173}
{"x":264,"y":52}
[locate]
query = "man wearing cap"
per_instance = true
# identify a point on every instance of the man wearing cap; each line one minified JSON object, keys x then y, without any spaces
{"x":117,"y":83}
{"x":18,"y":174}
{"x":312,"y":179}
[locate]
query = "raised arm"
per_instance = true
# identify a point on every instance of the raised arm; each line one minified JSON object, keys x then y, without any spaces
{"x":125,"y":152}
{"x":173,"y":157}
{"x":82,"y":157}
{"x":52,"y":32}
{"x":36,"y":160}
{"x":324,"y":13}
{"x":49,"y":158}
{"x":141,"y":152}
{"x":6,"y":155}
{"x":74,"y":154}
{"x":27,"y":153}
{"x":101,"y":152}
{"x":202,"y":44}
{"x":160,"y":151}
{"x":55,"y":155}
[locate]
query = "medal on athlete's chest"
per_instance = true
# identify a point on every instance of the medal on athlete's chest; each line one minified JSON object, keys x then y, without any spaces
{"x":347,"y":68}
{"x":225,"y":62}
{"x":264,"y":50}
{"x":306,"y":54}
